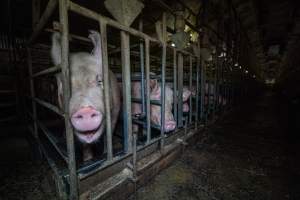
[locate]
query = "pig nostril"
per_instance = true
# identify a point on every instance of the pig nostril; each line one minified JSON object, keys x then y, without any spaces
{"x":79,"y":116}
{"x":94,"y":115}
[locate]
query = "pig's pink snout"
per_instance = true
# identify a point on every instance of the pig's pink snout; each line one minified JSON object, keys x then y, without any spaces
{"x":86,"y":119}
{"x":170,"y":126}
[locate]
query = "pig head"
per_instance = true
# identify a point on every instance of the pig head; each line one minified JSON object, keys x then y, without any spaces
{"x":86,"y":105}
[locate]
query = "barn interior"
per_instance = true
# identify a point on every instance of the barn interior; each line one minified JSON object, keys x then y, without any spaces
{"x":235,"y":135}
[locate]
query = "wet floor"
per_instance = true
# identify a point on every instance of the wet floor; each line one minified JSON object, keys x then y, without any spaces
{"x":246,"y":155}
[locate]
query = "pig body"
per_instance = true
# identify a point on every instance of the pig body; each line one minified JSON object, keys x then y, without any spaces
{"x":86,"y":106}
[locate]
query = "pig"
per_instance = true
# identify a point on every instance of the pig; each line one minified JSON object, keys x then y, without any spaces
{"x":86,"y":105}
{"x":155,"y":110}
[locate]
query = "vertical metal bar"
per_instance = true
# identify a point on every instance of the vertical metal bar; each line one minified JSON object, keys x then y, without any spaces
{"x":163,"y":79}
{"x":197,"y":92}
{"x":36,"y":12}
{"x":32,"y":93}
{"x":147,"y":52}
{"x":106,"y":82}
{"x":202,"y":89}
{"x":63,"y":16}
{"x":125,"y":52}
{"x":190,"y":85}
{"x":175,"y":85}
{"x":142,"y":69}
{"x":180,"y":89}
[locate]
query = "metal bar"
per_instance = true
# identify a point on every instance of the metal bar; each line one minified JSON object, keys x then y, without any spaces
{"x":191,"y":83}
{"x":180,"y":89}
{"x":152,"y":102}
{"x":202,"y":118}
{"x":163,"y":76}
{"x":32,"y":94}
{"x":175,"y":85}
{"x":47,"y":71}
{"x":106,"y":82}
{"x":43,"y":20}
{"x":197,"y":93}
{"x":142,"y":62}
{"x":126,"y":88}
{"x":147,"y":64}
{"x":93,"y":15}
{"x":48,"y":105}
{"x":63,"y":18}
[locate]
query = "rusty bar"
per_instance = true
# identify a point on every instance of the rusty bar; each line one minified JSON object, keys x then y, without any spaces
{"x":43,"y":20}
{"x":175,"y":84}
{"x":47,"y":71}
{"x":147,"y":64}
{"x":125,"y":53}
{"x":63,"y":18}
{"x":105,"y":69}
{"x":191,"y":83}
{"x":180,"y":89}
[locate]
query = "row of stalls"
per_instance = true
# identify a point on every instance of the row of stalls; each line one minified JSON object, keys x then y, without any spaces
{"x":174,"y":52}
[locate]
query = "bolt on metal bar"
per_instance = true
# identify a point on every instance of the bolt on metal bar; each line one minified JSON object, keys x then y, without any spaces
{"x":63,"y":18}
{"x":125,"y":53}
{"x":147,"y":64}
{"x":190,"y":86}
{"x":106,"y":82}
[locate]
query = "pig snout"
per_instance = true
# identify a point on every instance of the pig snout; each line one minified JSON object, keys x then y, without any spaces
{"x":170,"y":125}
{"x":86,"y":119}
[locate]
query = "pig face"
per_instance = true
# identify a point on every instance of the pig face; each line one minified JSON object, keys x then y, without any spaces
{"x":86,"y":105}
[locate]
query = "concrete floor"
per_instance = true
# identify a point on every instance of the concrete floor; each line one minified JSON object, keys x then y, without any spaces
{"x":247,"y":155}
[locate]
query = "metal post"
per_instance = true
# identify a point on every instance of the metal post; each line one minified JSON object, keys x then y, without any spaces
{"x":180,"y":89}
{"x":197,"y":92}
{"x":147,"y":52}
{"x":175,"y":85}
{"x":191,"y":83}
{"x":106,"y":82}
{"x":32,"y":93}
{"x":63,"y":16}
{"x":142,"y":69}
{"x":163,"y":79}
{"x":125,"y":52}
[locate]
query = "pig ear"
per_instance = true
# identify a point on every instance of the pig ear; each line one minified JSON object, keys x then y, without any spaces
{"x":59,"y":90}
{"x":97,"y":51}
{"x":56,"y":49}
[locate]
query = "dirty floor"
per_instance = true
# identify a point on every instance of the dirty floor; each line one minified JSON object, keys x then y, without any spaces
{"x":247,"y":155}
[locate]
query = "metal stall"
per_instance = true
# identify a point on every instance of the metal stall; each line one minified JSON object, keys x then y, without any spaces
{"x":137,"y":161}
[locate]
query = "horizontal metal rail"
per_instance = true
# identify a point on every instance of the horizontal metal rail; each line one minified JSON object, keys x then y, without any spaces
{"x":47,"y":105}
{"x":47,"y":71}
{"x":153,"y":102}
